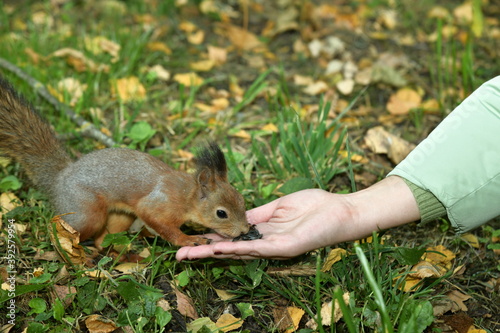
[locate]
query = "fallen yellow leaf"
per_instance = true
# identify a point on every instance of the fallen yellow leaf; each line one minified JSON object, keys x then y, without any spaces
{"x":227,"y":322}
{"x":99,"y":324}
{"x":159,"y":46}
{"x":197,"y":37}
{"x":242,"y":39}
{"x":403,"y":101}
{"x":270,"y":127}
{"x":471,"y":239}
{"x":217,"y":54}
{"x":295,"y":315}
{"x":202,"y":65}
{"x":334,"y":256}
{"x":188,"y":79}
{"x":243,"y":135}
{"x":316,"y":88}
{"x":130,"y":267}
{"x":443,"y":257}
{"x":225,"y":295}
{"x":187,"y":26}
{"x":128,"y":89}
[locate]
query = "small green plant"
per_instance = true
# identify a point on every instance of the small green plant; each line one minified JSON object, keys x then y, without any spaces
{"x":10,"y":183}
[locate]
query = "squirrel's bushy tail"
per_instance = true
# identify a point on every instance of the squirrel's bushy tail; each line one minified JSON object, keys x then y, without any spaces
{"x":29,"y":139}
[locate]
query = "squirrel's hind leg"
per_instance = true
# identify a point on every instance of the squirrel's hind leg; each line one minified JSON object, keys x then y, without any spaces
{"x":116,"y":222}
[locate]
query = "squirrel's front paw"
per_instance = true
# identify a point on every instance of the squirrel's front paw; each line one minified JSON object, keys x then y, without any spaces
{"x":194,"y":241}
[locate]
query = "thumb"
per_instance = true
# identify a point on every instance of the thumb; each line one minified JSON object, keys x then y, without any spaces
{"x":262,"y":213}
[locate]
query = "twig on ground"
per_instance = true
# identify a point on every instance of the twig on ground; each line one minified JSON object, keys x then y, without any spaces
{"x":87,"y":128}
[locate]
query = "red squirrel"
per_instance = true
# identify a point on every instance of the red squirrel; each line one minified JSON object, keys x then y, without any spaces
{"x":107,"y":189}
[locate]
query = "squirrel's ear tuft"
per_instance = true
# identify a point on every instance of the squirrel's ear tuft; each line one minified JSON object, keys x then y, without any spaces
{"x":212,"y":157}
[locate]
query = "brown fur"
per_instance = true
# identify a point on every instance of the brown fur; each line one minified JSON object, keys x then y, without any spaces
{"x":107,"y":189}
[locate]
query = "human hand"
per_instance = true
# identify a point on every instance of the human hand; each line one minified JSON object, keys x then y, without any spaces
{"x":310,"y":219}
{"x":291,"y":225}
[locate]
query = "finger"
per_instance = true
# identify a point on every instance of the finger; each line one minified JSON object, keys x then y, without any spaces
{"x":194,"y":252}
{"x":262,"y":213}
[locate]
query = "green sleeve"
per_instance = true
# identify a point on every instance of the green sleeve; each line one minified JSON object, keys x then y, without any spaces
{"x":429,"y":206}
{"x":459,"y":162}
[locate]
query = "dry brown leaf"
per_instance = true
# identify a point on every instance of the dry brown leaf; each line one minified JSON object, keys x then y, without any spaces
{"x":316,"y":88}
{"x":403,"y":101}
{"x":160,"y":72}
{"x":6,"y":328}
{"x":241,"y":39}
{"x":164,"y":304}
{"x":67,"y":242}
{"x":326,"y":313}
{"x":185,"y":305}
{"x":302,"y":80}
{"x":388,"y":18}
{"x":364,"y":76}
{"x":220,"y":103}
{"x":438,"y":12}
{"x":425,"y":269}
{"x":159,"y":46}
{"x":99,"y":324}
{"x":334,"y":256}
{"x":130,"y":267}
{"x":128,"y":89}
{"x":72,"y":87}
{"x":225,"y":295}
{"x":217,"y":54}
{"x":458,"y":299}
{"x":204,"y":107}
{"x":286,"y":20}
{"x":463,"y":13}
{"x":185,"y":155}
{"x":380,"y":141}
{"x":79,"y":61}
{"x":96,"y":273}
{"x":227,"y":322}
{"x":37,"y":271}
{"x":42,"y":18}
{"x":188,"y":79}
{"x":64,"y":292}
{"x":100,"y":44}
{"x":345,"y":86}
{"x":236,"y":89}
{"x":8,"y":201}
{"x":440,"y":256}
{"x":35,"y":57}
{"x":315,"y":47}
{"x":145,"y":253}
{"x":202,"y":65}
{"x":287,"y":318}
{"x":47,"y":255}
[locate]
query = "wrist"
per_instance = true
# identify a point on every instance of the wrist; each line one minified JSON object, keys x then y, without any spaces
{"x":387,"y":204}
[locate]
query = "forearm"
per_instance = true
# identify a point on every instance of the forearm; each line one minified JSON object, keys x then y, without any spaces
{"x":460,"y":162}
{"x":387,"y":204}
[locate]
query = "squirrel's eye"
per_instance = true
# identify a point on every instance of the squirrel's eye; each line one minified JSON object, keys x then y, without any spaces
{"x":221,"y":214}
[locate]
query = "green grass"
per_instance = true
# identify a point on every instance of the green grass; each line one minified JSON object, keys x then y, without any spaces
{"x":305,"y":152}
